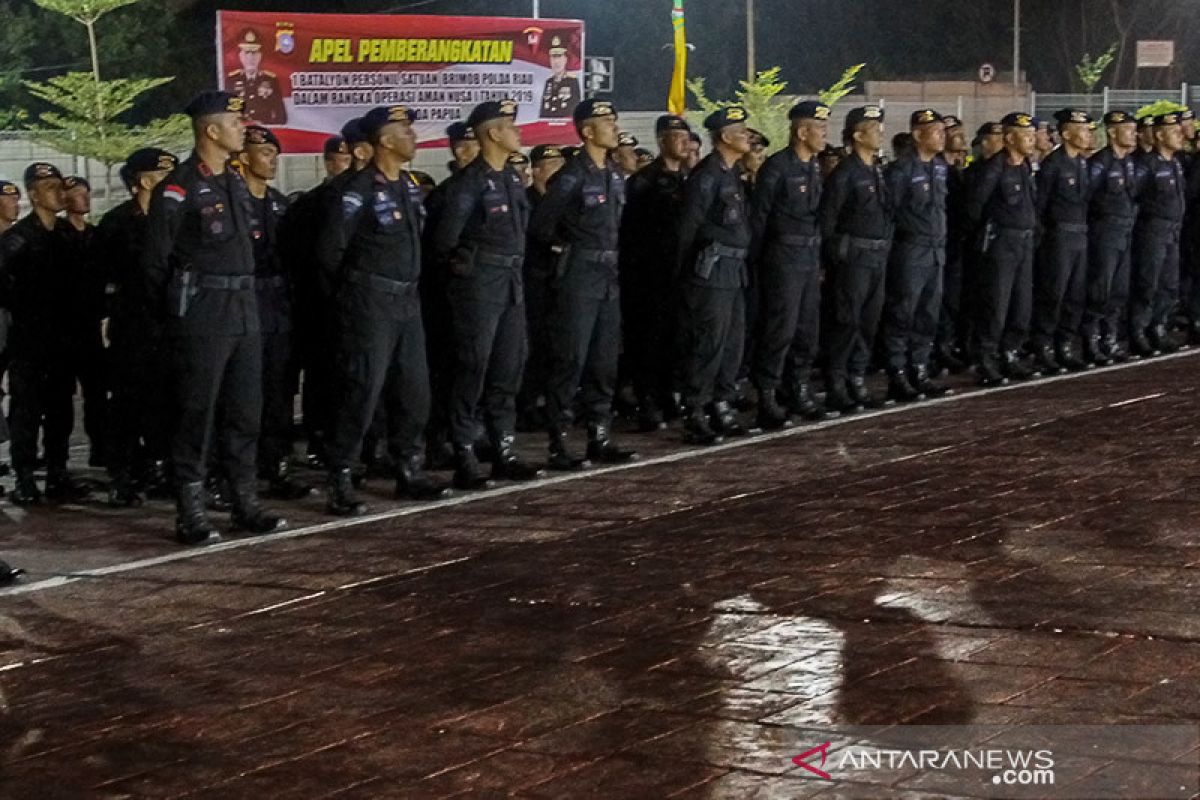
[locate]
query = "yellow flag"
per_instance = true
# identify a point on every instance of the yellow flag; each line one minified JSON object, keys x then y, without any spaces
{"x":677,"y":100}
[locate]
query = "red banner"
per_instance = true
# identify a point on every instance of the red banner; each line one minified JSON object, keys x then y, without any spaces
{"x":304,"y":75}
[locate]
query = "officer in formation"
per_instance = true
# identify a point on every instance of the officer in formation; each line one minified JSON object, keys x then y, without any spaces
{"x":208,"y":277}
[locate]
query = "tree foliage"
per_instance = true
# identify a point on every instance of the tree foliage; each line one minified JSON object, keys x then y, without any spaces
{"x":761,"y":99}
{"x":1089,"y":71}
{"x":85,"y":12}
{"x":843,"y":86}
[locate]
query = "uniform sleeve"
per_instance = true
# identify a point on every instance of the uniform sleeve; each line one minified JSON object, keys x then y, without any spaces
{"x":1143,"y":177}
{"x":459,"y":203}
{"x":339,"y":219}
{"x":162,"y":227}
{"x":1044,"y":181}
{"x":559,"y":197}
{"x":698,"y":195}
{"x":981,"y":191}
{"x":762,"y":204}
{"x":896,"y":178}
{"x":837,"y":191}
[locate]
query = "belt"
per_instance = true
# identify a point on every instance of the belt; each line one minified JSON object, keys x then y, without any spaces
{"x":1020,"y":233}
{"x":724,"y":251}
{"x":274,"y":282}
{"x":373,"y":281}
{"x":1098,"y":224}
{"x":869,"y":244}
{"x":1069,"y":227}
{"x":497,"y":260}
{"x":797,"y":240}
{"x":227,"y":283}
{"x":1158,"y":223}
{"x":598,"y":256}
{"x":921,"y":241}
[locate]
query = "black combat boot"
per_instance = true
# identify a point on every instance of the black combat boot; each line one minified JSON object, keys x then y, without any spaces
{"x":1141,"y":346}
{"x":1013,"y":369}
{"x":857,"y":386}
{"x":802,"y":403}
{"x":414,"y":483}
{"x":341,"y":500}
{"x":899,"y":389}
{"x":468,"y":475}
{"x":925,"y":384}
{"x":1070,"y":360}
{"x":156,"y":480}
{"x":217,"y":493}
{"x":771,"y":415}
{"x":602,"y":450}
{"x":1047,"y":364}
{"x":123,"y":493}
{"x":62,"y":488}
{"x":248,"y":514}
{"x":650,"y":417}
{"x":1112,"y":348}
{"x":837,"y":399}
{"x":725,"y":420}
{"x":561,"y":458}
{"x":989,"y":372}
{"x":697,"y":430}
{"x":282,"y":486}
{"x":507,"y":465}
{"x":948,"y":359}
{"x":9,"y":574}
{"x":191,"y":521}
{"x":1162,"y":339}
{"x":1094,"y":351}
{"x":26,"y":492}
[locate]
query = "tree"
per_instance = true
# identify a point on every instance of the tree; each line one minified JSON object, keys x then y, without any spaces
{"x":844,"y":86}
{"x":1090,"y":71}
{"x":87,"y":120}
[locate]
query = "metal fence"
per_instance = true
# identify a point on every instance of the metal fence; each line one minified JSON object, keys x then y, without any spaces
{"x":1099,"y":103}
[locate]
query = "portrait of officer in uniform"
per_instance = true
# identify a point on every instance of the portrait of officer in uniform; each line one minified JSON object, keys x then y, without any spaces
{"x":259,"y":88}
{"x":562,"y":93}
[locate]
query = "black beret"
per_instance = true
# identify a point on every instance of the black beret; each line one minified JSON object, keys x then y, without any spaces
{"x":1166,"y":120}
{"x":518,"y":159}
{"x":809,"y":109}
{"x":694,"y":137}
{"x":545,"y":152}
{"x":626,"y":140}
{"x":643,"y":153}
{"x":9,"y":189}
{"x":1187,"y":115}
{"x":570,"y":151}
{"x":924,"y":116}
{"x":335,"y":145}
{"x":1069,"y":115}
{"x":1146,"y":121}
{"x":591,"y":108}
{"x":492,"y":109}
{"x":459,"y":131}
{"x":670,"y":122}
{"x":352,"y":132}
{"x":381,"y":116}
{"x":39,"y":170}
{"x":863,"y":114}
{"x":1018,"y":119}
{"x":150,"y":159}
{"x":1117,"y":117}
{"x":257,"y":134}
{"x":724,"y":117}
{"x":214,"y":102}
{"x":952,"y":121}
{"x":989,"y":129}
{"x":423,"y":178}
{"x":74,"y":181}
{"x":759,"y":139}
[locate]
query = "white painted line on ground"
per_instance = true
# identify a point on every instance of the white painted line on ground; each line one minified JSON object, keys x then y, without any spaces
{"x":521,"y":488}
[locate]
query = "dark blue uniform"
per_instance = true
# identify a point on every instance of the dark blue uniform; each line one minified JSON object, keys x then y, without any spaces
{"x":1060,"y":274}
{"x":1111,"y":212}
{"x":1160,"y":190}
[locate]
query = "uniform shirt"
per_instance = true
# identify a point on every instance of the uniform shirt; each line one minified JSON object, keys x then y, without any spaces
{"x":271,"y":283}
{"x":374,"y":227}
{"x":856,"y":202}
{"x":582,"y":206}
{"x":715,"y":211}
{"x":918,"y":191}
{"x":786,"y":201}
{"x":1112,"y":183}
{"x":1003,"y":194}
{"x":485,"y":210}
{"x":264,"y":100}
{"x":199,"y":223}
{"x":1063,"y":189}
{"x":654,"y":202}
{"x":1159,"y":187}
{"x":38,"y":277}
{"x":120,"y":241}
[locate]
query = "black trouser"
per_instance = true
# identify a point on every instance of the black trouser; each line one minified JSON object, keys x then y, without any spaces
{"x":585,"y":336}
{"x":914,"y":300}
{"x":317,"y":337}
{"x":537,"y":326}
{"x":41,"y":389}
{"x":212,"y":372}
{"x":439,"y":349}
{"x":650,"y":313}
{"x":858,"y":293}
{"x":278,"y":406}
{"x":91,"y":370}
{"x":790,"y":317}
{"x":140,"y":412}
{"x":951,"y":329}
{"x":489,"y":357}
{"x":1109,"y":258}
{"x":1059,"y":287}
{"x":381,"y":356}
{"x":1154,"y":289}
{"x":1005,"y":292}
{"x":713,"y":341}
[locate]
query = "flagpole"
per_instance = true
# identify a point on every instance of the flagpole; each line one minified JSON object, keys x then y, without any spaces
{"x":750,"y":43}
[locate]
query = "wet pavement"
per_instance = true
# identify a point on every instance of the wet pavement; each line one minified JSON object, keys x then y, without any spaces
{"x":682,"y":628}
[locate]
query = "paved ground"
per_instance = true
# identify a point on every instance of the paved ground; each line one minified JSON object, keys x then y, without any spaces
{"x":678,"y":629}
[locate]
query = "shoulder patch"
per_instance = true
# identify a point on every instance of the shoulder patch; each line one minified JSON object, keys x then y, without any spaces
{"x":175,"y":193}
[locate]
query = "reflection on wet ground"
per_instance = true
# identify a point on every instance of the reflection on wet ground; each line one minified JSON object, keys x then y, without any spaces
{"x":676,"y":630}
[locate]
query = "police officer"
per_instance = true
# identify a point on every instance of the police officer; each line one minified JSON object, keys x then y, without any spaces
{"x":199,"y":263}
{"x":1002,"y":207}
{"x":625,"y":154}
{"x":258,"y":88}
{"x":1146,"y":133}
{"x":950,"y":345}
{"x":649,"y":298}
{"x":260,"y":162}
{"x":38,"y":270}
{"x":786,"y":246}
{"x":520,"y":164}
{"x":370,"y":253}
{"x":1160,"y":190}
{"x":918,"y":183}
{"x":480,"y":237}
{"x":1111,"y":212}
{"x":140,"y":412}
{"x":1060,"y":274}
{"x":336,"y":157}
{"x":714,"y":242}
{"x":580,"y":220}
{"x":10,"y":204}
{"x":856,"y":233}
